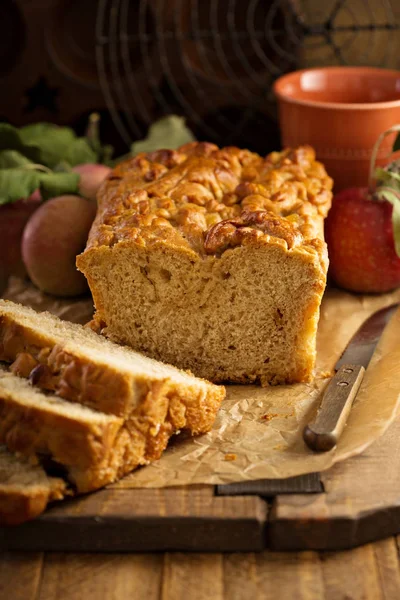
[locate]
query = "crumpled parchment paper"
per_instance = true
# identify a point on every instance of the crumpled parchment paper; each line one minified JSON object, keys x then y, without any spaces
{"x":258,"y":431}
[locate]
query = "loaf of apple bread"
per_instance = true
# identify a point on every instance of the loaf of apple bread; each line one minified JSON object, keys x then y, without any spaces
{"x":213,"y":260}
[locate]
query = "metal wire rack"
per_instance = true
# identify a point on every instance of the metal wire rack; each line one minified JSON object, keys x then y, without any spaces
{"x":214,"y":60}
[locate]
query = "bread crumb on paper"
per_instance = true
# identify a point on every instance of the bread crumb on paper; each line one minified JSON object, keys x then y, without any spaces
{"x":230,"y":457}
{"x":325,"y":374}
{"x":270,"y":416}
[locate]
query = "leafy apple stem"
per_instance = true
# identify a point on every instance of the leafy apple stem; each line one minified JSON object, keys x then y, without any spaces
{"x":374,"y":154}
{"x":92,"y":131}
{"x":388,"y":194}
{"x":36,"y":167}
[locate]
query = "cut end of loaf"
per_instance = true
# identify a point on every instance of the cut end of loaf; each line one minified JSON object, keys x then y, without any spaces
{"x":249,"y":316}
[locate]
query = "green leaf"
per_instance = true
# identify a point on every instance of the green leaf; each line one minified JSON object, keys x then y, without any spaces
{"x":387,"y":178}
{"x":10,"y":159}
{"x":56,"y":184}
{"x":396,"y":145}
{"x":79,"y":152}
{"x":47,"y":144}
{"x":57,"y":144}
{"x":50,"y":142}
{"x":169,"y":132}
{"x":394,"y":199}
{"x":62,"y":167}
{"x":17,"y":183}
{"x":20,"y":183}
{"x":10,"y":139}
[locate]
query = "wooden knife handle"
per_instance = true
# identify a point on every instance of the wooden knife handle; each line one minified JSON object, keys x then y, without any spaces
{"x":324,"y":433}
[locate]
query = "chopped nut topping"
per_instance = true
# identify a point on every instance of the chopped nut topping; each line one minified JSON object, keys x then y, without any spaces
{"x":220,"y":197}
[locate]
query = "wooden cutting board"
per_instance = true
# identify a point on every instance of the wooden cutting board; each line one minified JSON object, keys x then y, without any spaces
{"x":355,"y":502}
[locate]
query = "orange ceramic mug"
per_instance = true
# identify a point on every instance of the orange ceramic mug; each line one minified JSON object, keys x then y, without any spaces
{"x":340,"y":111}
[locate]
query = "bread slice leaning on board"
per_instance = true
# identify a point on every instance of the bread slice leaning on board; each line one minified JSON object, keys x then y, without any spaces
{"x":97,"y":409}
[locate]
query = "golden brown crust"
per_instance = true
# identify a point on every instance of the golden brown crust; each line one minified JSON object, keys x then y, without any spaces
{"x":33,"y":430}
{"x":34,"y":355}
{"x":177,"y":197}
{"x":247,"y":228}
{"x":19,"y":504}
{"x":97,"y":455}
{"x":25,"y":488}
{"x":146,"y":434}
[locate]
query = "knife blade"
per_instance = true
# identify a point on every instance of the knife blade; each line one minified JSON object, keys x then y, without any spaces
{"x":323,"y":434}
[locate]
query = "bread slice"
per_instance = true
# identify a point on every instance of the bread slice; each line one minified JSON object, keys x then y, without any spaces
{"x":118,"y":409}
{"x":95,"y":448}
{"x":213,"y":260}
{"x":84,"y":367}
{"x":25,"y":489}
{"x":34,"y":423}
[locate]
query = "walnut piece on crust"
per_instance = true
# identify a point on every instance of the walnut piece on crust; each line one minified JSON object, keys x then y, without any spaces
{"x":247,"y":228}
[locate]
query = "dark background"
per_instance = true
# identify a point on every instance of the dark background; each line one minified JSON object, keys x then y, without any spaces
{"x":211,"y":60}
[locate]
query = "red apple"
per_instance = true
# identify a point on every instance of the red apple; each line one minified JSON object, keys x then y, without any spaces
{"x":359,"y":233}
{"x":13,"y":218}
{"x":92,"y":176}
{"x":53,"y":237}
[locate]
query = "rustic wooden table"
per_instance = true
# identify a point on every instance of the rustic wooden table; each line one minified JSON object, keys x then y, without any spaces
{"x":370,"y":572}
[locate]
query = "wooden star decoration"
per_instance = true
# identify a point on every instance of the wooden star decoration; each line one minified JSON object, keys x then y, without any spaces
{"x":42,"y":95}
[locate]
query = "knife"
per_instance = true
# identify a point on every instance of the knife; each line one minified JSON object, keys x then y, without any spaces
{"x":323,"y":434}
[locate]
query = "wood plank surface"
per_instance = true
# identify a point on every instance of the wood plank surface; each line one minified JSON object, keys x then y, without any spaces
{"x":370,"y":572}
{"x":194,"y":577}
{"x":20,"y":575}
{"x":295,"y":575}
{"x":386,"y":555}
{"x":145,"y":520}
{"x":97,"y":576}
{"x":361,"y":503}
{"x":274,"y":575}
